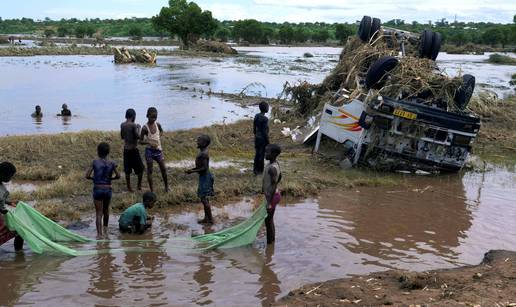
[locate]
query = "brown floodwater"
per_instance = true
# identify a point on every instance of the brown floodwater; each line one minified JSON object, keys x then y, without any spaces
{"x":428,"y":222}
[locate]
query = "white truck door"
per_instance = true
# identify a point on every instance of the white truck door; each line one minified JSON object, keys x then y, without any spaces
{"x":341,"y":123}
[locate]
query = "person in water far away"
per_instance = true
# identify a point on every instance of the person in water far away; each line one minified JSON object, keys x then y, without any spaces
{"x":65,"y":111}
{"x":202,"y":167}
{"x":37,"y":113}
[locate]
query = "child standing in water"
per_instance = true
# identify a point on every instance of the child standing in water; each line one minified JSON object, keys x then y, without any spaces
{"x":261,"y":137}
{"x":129,"y":131}
{"x":7,"y":171}
{"x":102,"y":170}
{"x":202,"y":167}
{"x":151,"y":135}
{"x":271,"y":178}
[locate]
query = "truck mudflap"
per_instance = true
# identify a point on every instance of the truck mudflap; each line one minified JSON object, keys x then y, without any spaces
{"x":341,"y":123}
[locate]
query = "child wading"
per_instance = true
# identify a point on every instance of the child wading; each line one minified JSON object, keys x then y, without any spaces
{"x":151,"y":135}
{"x":271,"y":178}
{"x":202,"y":167}
{"x":135,"y":219}
{"x":7,"y":171}
{"x":103,"y":171}
{"x":129,"y":131}
{"x":261,"y":137}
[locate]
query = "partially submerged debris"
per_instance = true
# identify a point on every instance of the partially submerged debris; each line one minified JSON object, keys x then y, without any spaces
{"x":125,"y":56}
{"x":216,"y":47}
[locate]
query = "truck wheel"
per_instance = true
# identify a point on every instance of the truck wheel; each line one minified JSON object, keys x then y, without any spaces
{"x":375,"y":26}
{"x":364,"y":30}
{"x":465,"y":91}
{"x":425,"y":44}
{"x":436,"y":45}
{"x":379,"y":70}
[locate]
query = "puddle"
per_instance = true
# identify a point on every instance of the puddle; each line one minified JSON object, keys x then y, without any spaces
{"x":24,"y":186}
{"x":185,"y":164}
{"x":433,"y":222}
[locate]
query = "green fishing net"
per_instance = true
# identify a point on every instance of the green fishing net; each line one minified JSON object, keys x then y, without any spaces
{"x":43,"y":235}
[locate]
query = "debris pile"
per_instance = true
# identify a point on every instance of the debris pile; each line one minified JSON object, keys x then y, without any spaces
{"x":374,"y":68}
{"x":125,"y":56}
{"x":212,"y":46}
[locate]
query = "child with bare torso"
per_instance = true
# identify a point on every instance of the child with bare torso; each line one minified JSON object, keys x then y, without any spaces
{"x":271,"y":179}
{"x":151,"y":136}
{"x":202,"y":167}
{"x":130,"y":133}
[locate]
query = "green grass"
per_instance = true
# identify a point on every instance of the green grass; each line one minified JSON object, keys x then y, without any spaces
{"x":501,"y":59}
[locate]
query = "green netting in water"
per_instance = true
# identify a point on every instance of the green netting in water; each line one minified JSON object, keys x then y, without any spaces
{"x":45,"y":236}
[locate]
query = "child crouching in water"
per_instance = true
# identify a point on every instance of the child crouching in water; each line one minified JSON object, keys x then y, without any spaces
{"x":135,"y":219}
{"x":202,"y":167}
{"x":102,"y":170}
{"x":271,"y":178}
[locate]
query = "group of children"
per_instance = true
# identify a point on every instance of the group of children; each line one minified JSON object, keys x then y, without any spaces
{"x":135,"y":219}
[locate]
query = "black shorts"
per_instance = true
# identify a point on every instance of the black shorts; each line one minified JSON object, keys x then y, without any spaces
{"x":133,"y":161}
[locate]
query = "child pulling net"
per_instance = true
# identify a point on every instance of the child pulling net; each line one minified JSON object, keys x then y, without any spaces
{"x":45,"y":236}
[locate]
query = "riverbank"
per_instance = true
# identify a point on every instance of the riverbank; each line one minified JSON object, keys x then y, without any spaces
{"x":491,"y":283}
{"x":55,"y":164}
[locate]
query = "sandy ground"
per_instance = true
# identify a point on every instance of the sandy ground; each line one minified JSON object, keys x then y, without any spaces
{"x":491,"y":283}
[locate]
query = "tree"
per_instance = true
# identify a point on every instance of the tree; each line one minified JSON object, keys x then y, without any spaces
{"x":342,"y":32}
{"x":49,"y":32}
{"x":320,"y":35}
{"x":90,"y":30}
{"x":493,"y":36}
{"x":286,"y":34}
{"x":80,"y":31}
{"x":62,"y":31}
{"x":135,"y":32}
{"x":301,"y":35}
{"x":186,"y":20}
{"x":249,"y":30}
{"x":222,"y":34}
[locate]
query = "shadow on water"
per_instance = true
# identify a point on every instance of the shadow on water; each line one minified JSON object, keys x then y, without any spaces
{"x":425,"y":223}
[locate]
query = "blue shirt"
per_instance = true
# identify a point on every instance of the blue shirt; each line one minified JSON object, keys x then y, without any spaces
{"x":103,"y":171}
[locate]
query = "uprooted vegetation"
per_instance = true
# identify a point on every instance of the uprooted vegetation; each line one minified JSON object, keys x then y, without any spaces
{"x":412,"y":78}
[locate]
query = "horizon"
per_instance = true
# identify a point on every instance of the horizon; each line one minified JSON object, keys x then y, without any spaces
{"x":328,"y":11}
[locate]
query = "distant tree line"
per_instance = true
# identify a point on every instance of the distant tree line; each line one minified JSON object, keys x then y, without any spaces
{"x":188,"y":22}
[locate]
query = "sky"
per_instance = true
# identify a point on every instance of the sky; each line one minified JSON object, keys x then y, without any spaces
{"x":498,"y":11}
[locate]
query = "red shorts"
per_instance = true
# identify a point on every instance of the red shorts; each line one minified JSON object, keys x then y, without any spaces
{"x":5,"y":233}
{"x":275,"y":200}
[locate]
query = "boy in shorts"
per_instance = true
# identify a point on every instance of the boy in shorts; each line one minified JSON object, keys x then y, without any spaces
{"x":271,"y":178}
{"x":130,"y":133}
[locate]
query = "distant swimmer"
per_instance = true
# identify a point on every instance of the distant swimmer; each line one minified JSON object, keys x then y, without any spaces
{"x":37,"y":113}
{"x":65,"y":111}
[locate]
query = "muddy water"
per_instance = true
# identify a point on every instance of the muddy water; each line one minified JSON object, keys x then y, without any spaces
{"x":430,"y":222}
{"x":98,"y":92}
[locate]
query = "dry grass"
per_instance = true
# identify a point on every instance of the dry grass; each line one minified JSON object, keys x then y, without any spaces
{"x":62,"y":159}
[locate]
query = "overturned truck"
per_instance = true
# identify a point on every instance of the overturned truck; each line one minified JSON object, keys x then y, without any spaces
{"x":394,"y":109}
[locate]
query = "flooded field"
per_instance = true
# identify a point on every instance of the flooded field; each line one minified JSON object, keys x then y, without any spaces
{"x":430,"y":222}
{"x":98,"y":91}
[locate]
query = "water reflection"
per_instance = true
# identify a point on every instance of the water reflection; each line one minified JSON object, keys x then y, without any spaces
{"x":203,"y":276}
{"x":270,"y":284}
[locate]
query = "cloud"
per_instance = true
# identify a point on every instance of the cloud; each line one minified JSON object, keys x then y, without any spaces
{"x":57,"y":13}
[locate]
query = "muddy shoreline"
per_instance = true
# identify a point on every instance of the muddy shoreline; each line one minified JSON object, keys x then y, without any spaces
{"x":490,"y":283}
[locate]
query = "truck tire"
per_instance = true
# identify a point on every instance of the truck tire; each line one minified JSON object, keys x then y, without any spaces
{"x":379,"y":70}
{"x":375,"y":26}
{"x":364,"y":30}
{"x":436,"y":45}
{"x":425,"y":44}
{"x":465,"y":91}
